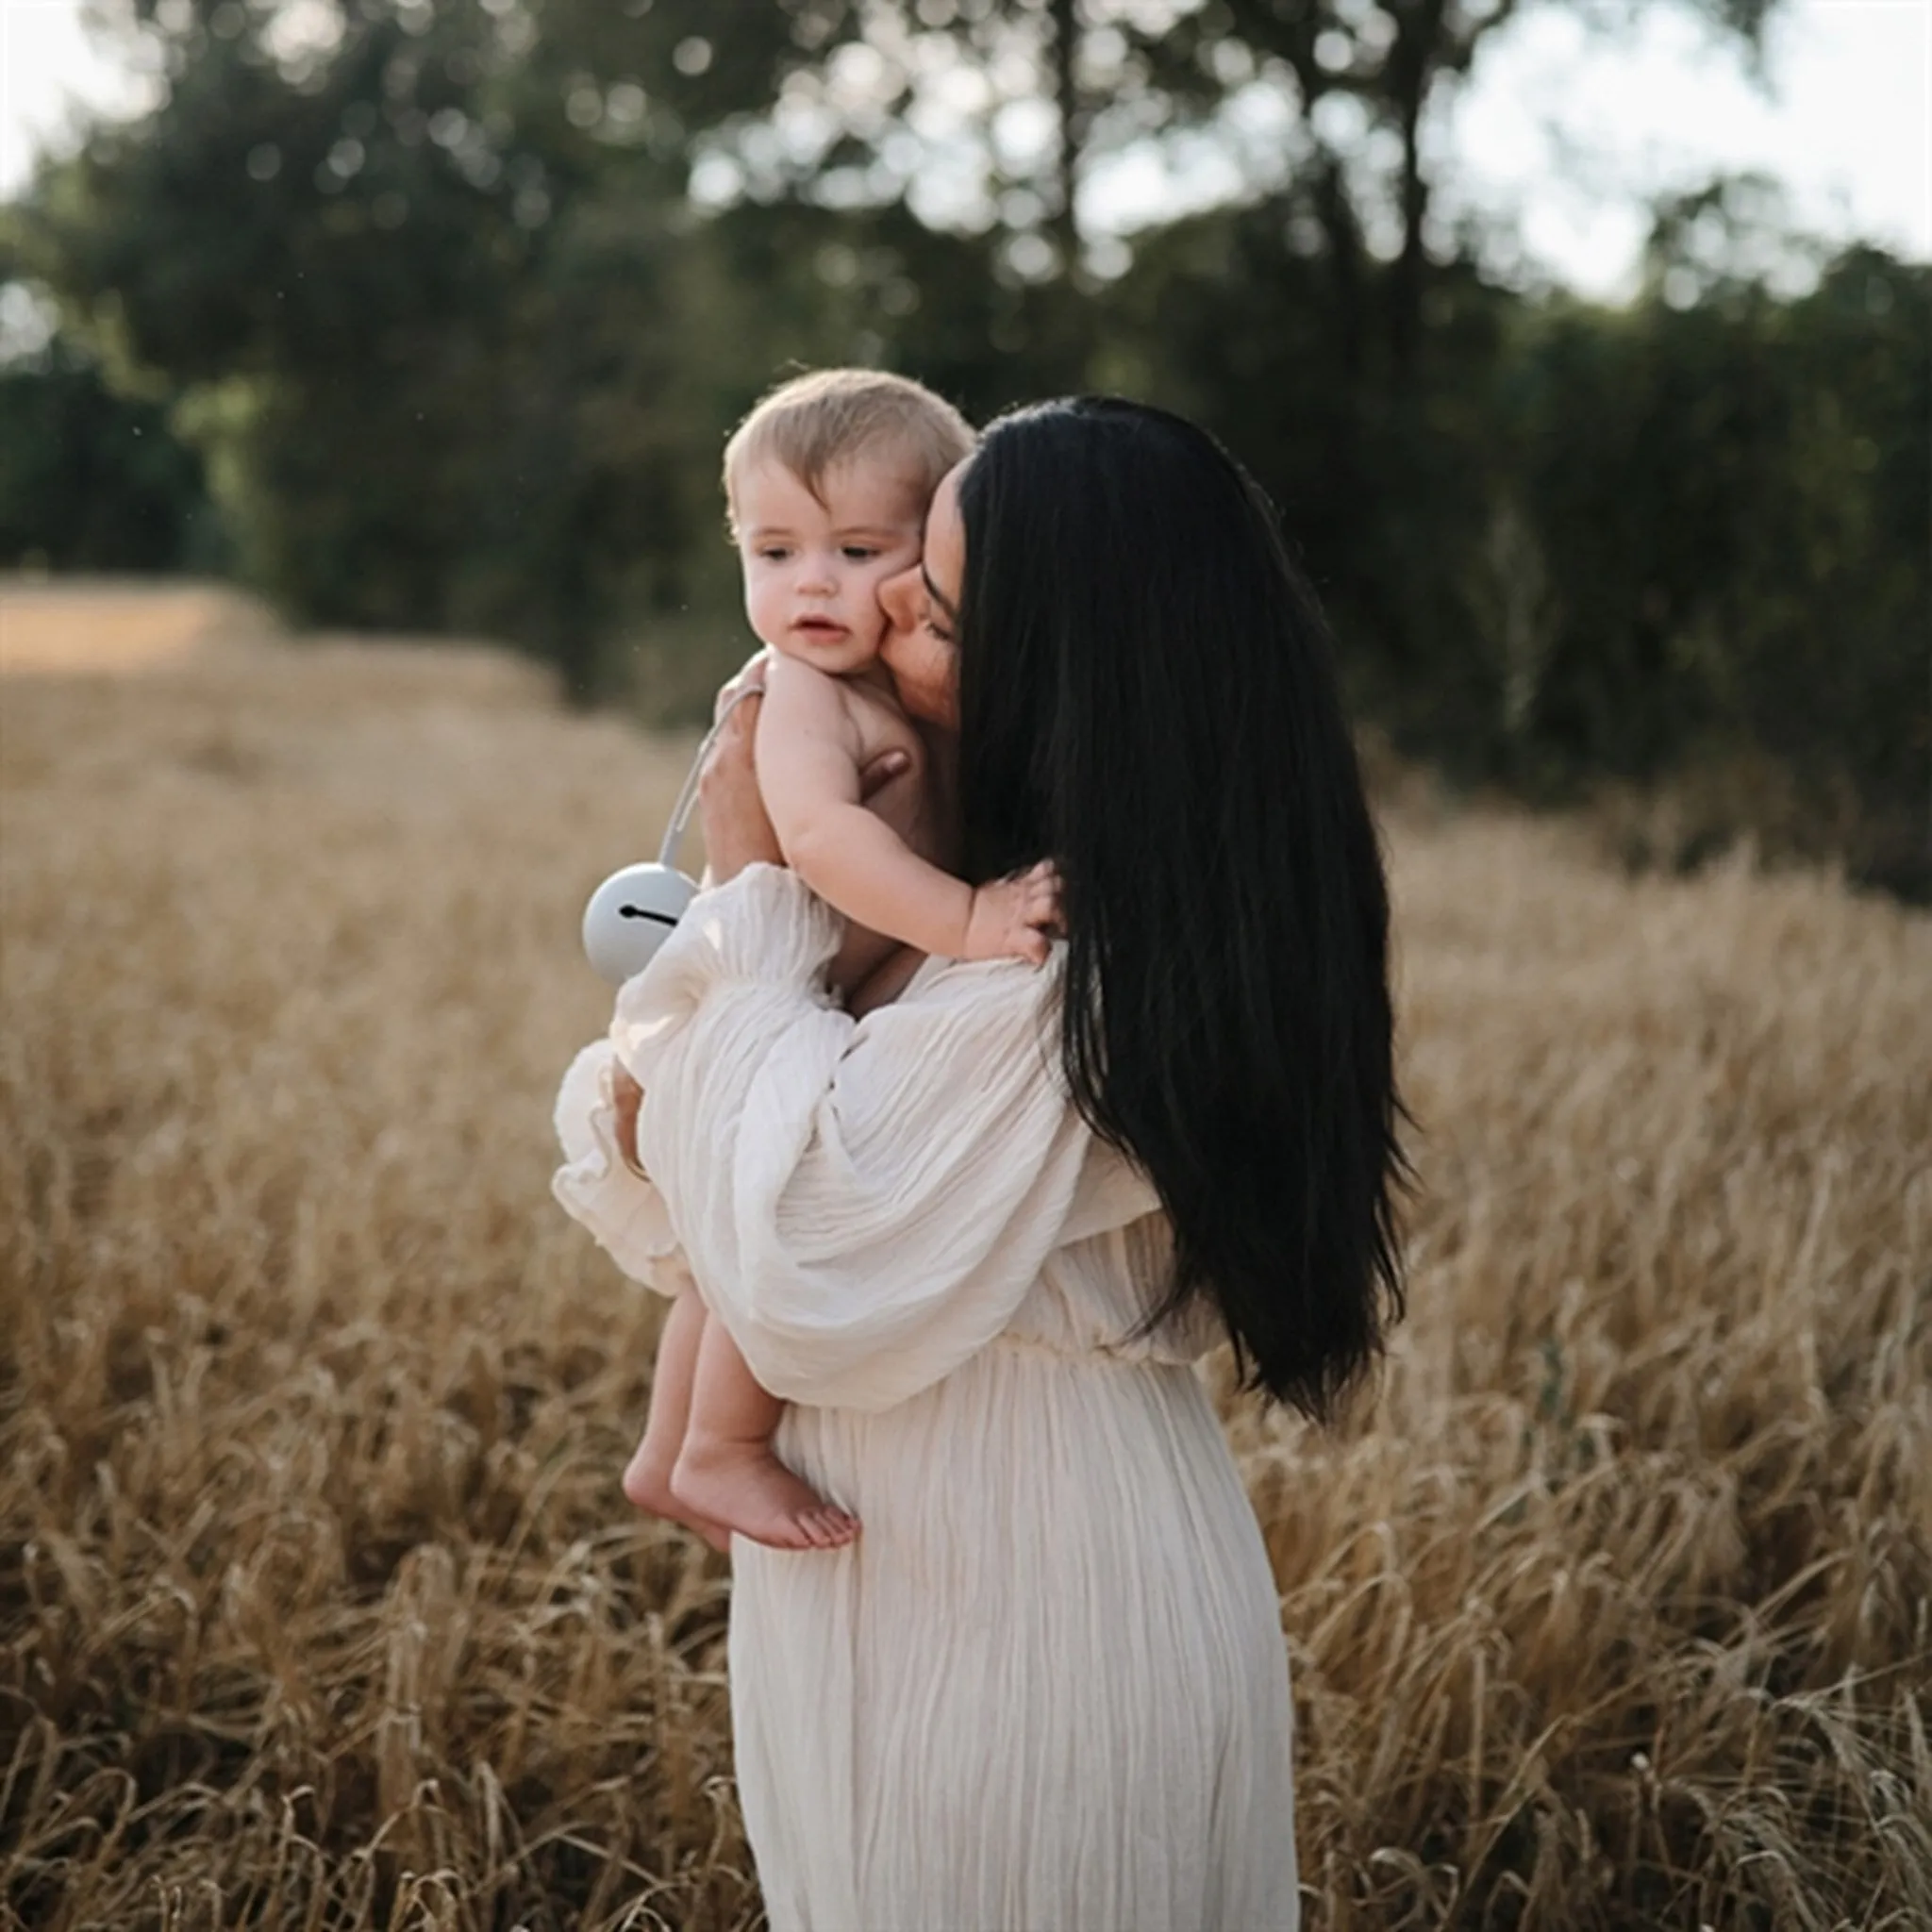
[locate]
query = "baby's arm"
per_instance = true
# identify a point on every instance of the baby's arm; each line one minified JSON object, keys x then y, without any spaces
{"x":808,"y":760}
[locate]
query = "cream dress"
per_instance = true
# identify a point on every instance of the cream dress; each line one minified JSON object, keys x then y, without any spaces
{"x":1045,"y":1691}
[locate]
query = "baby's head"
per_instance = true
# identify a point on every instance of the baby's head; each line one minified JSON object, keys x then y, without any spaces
{"x":827,"y":483}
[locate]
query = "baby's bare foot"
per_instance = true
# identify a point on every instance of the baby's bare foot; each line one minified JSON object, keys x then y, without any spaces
{"x":745,"y":1488}
{"x":648,"y":1486}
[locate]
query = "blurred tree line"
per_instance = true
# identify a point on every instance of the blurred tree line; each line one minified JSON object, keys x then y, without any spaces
{"x":434,"y":317}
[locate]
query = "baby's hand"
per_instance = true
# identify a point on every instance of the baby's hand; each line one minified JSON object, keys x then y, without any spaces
{"x":1014,"y":918}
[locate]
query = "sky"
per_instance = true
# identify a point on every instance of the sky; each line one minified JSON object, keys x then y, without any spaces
{"x":1566,"y":133}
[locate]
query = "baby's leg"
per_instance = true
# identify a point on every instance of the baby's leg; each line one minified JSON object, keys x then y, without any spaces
{"x":647,"y":1476}
{"x":726,"y":1471}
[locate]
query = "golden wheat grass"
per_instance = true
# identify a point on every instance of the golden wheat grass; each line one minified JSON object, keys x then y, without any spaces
{"x":319,"y":1603}
{"x":101,"y":627}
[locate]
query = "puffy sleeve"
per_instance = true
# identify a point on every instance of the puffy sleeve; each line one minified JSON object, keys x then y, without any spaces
{"x":864,"y":1204}
{"x":623,"y":1212}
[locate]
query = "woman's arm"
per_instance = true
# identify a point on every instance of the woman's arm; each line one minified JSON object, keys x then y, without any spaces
{"x":863,"y":1203}
{"x":602,"y":1184}
{"x":737,"y":829}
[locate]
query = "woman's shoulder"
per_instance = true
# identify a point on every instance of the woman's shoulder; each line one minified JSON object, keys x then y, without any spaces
{"x":979,"y":1025}
{"x":994,"y":986}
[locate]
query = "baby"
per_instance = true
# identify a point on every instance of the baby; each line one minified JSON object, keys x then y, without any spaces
{"x":827,"y":481}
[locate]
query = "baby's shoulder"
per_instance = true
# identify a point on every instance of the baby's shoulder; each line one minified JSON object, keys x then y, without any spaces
{"x":792,"y":677}
{"x":803,"y":697}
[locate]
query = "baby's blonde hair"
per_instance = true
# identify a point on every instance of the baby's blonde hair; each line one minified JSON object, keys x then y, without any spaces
{"x":814,"y":423}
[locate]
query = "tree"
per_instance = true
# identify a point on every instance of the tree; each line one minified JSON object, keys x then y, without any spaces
{"x":414,"y":276}
{"x":90,"y":479}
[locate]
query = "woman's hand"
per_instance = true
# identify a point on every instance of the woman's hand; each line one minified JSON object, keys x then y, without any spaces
{"x":737,"y":829}
{"x":627,"y":1096}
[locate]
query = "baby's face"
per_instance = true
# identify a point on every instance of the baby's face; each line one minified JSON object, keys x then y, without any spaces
{"x":812,"y":570}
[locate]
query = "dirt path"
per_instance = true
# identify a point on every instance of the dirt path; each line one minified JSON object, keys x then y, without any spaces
{"x":107,"y":626}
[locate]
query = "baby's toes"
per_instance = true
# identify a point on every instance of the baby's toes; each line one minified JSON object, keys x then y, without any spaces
{"x":831,"y":1528}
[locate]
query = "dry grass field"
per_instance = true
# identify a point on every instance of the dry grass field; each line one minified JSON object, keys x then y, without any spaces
{"x":319,"y":1604}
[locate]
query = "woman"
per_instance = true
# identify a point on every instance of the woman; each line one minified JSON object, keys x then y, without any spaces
{"x":978,"y":1238}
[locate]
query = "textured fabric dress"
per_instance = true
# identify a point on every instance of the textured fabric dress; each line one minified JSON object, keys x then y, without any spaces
{"x":1045,"y":1689}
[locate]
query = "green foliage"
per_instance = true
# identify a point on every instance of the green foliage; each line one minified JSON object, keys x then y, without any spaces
{"x":1580,"y":544}
{"x":426,"y":292}
{"x":432,"y":297}
{"x":94,"y":481}
{"x":1728,"y":502}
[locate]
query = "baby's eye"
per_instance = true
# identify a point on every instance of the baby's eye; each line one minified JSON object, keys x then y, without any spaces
{"x":773,"y":553}
{"x":859,"y":553}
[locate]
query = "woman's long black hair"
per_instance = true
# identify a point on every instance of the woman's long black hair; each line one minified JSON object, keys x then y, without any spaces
{"x":1147,"y":696}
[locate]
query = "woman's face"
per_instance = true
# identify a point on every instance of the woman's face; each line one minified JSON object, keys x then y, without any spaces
{"x":922,"y":606}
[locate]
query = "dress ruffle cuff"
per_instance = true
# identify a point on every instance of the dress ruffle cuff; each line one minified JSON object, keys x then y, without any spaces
{"x":763,"y":928}
{"x":624,"y":1213}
